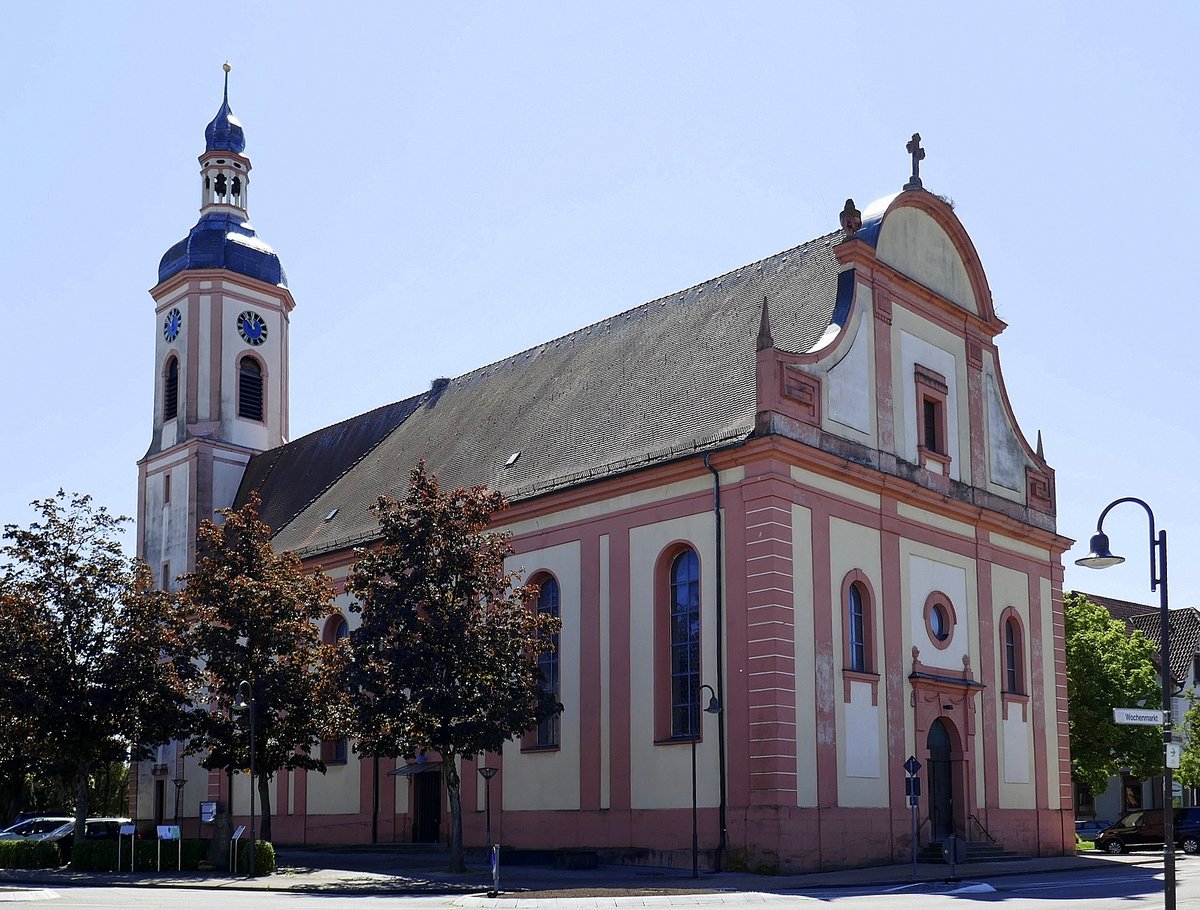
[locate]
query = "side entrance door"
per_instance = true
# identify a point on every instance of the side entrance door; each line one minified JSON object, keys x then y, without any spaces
{"x":426,"y":806}
{"x":941,"y":785}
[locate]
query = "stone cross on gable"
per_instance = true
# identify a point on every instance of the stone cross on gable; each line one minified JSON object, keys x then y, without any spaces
{"x":918,"y":155}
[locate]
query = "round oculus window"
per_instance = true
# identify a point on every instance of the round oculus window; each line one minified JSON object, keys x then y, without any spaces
{"x":252,"y":328}
{"x":939,"y":622}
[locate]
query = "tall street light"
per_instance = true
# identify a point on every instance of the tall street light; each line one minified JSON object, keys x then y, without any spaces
{"x":245,"y":701}
{"x":487,"y":774}
{"x":1101,"y":557}
{"x":714,"y":707}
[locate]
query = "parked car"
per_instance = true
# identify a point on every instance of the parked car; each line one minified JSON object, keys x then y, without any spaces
{"x":1090,"y":828}
{"x":1144,"y":828}
{"x":93,"y":829}
{"x":29,"y":827}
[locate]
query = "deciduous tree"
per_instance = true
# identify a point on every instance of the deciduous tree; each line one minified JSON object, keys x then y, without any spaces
{"x":93,"y":659}
{"x":1108,"y":667}
{"x":445,"y":658}
{"x":255,"y":615}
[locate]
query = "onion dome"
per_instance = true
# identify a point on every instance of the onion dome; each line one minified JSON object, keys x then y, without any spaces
{"x":224,"y":240}
{"x":224,"y":133}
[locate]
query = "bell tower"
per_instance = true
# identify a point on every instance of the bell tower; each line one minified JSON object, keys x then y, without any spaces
{"x":221,"y":315}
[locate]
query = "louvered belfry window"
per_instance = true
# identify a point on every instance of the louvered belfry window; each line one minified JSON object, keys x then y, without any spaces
{"x":250,"y":389}
{"x":171,"y":390}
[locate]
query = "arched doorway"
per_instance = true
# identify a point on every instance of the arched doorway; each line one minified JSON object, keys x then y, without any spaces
{"x":941,"y":781}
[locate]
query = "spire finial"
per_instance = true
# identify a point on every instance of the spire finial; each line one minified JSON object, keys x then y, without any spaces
{"x":765,"y":341}
{"x":1041,"y":453}
{"x":225,"y":66}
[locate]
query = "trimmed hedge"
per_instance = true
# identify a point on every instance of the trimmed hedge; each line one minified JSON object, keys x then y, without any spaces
{"x":29,"y":854}
{"x":101,"y":856}
{"x":264,"y":857}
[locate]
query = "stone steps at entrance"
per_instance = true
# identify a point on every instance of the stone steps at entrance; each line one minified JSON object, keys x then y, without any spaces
{"x":977,"y":852}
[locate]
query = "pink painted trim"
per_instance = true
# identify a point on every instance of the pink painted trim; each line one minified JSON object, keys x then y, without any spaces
{"x":935,"y":600}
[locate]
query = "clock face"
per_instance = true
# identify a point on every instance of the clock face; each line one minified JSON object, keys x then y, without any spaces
{"x":172,"y":324}
{"x":252,"y":328}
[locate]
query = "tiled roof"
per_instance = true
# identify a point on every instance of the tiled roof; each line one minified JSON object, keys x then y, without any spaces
{"x":289,"y":477}
{"x":1185,"y":629}
{"x":1185,"y":637}
{"x":667,"y":379}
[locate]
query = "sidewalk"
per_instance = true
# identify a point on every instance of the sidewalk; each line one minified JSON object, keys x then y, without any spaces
{"x":383,"y":871}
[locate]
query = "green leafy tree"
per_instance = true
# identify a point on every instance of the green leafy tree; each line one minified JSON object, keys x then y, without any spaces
{"x":1108,"y":667}
{"x":94,"y":660}
{"x":445,"y":658}
{"x":255,"y":615}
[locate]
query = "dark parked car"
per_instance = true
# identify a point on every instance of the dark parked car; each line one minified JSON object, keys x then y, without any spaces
{"x":1090,"y":828}
{"x":93,"y":829}
{"x":1144,"y":828}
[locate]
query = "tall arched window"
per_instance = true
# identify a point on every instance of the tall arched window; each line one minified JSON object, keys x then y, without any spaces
{"x":685,"y":644}
{"x":1012,"y":657}
{"x":548,"y":603}
{"x":250,"y":389}
{"x":171,"y":390}
{"x":856,"y":622}
{"x":335,"y":751}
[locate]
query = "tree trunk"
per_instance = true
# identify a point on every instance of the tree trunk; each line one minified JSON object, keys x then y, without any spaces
{"x":81,"y":804}
{"x":454,"y":792}
{"x":264,"y":797}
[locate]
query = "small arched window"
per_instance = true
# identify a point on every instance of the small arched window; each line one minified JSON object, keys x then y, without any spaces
{"x":335,"y":751}
{"x":685,"y":644}
{"x":171,"y":390}
{"x":548,"y":667}
{"x":250,"y":389}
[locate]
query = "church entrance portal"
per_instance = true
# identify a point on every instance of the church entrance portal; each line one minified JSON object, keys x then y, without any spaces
{"x":941,"y":782}
{"x":426,"y":806}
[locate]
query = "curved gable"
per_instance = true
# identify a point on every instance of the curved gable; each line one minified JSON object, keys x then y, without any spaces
{"x":912,"y":242}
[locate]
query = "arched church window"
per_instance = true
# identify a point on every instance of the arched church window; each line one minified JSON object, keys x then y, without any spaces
{"x":685,"y":644}
{"x":548,"y":603}
{"x":171,"y":390}
{"x":250,"y":389}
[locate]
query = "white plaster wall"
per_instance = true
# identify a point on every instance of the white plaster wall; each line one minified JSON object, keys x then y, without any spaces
{"x":916,"y":350}
{"x":550,"y":779}
{"x":228,"y":468}
{"x":662,"y":773}
{"x":911,"y":242}
{"x":337,"y":791}
{"x":165,"y":532}
{"x":1016,"y":761}
{"x":805,"y":637}
{"x":1006,"y":455}
{"x":930,"y":570}
{"x":850,"y":387}
{"x":861,"y":732}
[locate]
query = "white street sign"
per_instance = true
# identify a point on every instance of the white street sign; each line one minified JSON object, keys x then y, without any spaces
{"x":1174,"y":756}
{"x":1140,"y":717}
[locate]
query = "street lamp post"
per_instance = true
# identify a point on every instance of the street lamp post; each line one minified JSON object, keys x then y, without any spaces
{"x":714,"y":707}
{"x":179,"y":783}
{"x":488,"y":774}
{"x":245,"y":701}
{"x":1101,"y":557}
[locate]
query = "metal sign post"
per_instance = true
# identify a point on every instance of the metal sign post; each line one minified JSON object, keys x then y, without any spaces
{"x":129,"y":831}
{"x":237,"y":835}
{"x":912,"y":789}
{"x":495,"y":870}
{"x":954,"y":851}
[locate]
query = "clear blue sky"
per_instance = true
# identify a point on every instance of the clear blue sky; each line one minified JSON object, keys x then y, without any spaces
{"x":450,"y":183}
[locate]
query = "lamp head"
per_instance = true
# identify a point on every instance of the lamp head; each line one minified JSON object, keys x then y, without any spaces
{"x":714,"y":706}
{"x":242,"y":701}
{"x":1099,"y":555}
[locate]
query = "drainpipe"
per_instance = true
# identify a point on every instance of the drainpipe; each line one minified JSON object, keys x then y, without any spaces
{"x":722,"y":843}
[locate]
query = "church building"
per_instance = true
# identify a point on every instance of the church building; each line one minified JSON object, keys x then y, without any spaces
{"x":795,"y":493}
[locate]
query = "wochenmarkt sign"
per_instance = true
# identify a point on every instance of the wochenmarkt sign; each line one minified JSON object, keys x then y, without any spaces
{"x":1139,"y":717}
